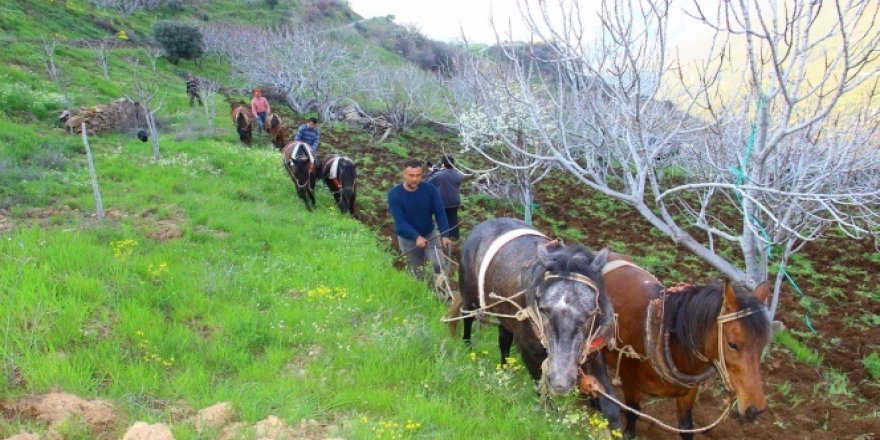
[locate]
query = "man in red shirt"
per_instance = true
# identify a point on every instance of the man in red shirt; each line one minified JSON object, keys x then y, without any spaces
{"x":260,"y":108}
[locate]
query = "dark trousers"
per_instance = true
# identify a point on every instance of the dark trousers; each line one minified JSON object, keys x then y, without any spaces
{"x":452,"y":218}
{"x":261,"y":120}
{"x":194,"y":95}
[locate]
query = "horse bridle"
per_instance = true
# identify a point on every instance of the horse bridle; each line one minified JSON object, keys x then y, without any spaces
{"x":720,"y":363}
{"x":537,"y":321}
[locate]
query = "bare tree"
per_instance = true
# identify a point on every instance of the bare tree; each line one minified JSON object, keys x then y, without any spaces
{"x":405,"y":94}
{"x":153,"y":53}
{"x":209,"y":91}
{"x":309,"y":68}
{"x":127,"y":7}
{"x":495,"y":122}
{"x":46,"y":50}
{"x":769,"y":160}
{"x":150,"y":97}
{"x":101,"y":50}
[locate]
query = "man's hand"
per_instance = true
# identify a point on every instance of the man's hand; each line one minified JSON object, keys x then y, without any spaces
{"x":421,"y":242}
{"x":447,"y":243}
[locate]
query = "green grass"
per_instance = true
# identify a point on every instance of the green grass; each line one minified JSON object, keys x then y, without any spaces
{"x":257,"y":302}
{"x":872,"y":364}
{"x":800,"y":351}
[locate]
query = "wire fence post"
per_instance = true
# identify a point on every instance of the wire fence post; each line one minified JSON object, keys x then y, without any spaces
{"x":94,"y":176}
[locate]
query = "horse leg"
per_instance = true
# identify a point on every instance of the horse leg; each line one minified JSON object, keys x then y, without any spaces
{"x":505,"y":340}
{"x":596,"y":365}
{"x":685,"y":406}
{"x":632,"y":397}
{"x":468,"y":326}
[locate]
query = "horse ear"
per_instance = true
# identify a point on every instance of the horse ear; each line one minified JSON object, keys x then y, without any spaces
{"x":762,"y":292}
{"x":599,"y":260}
{"x":730,"y":302}
{"x":543,"y":254}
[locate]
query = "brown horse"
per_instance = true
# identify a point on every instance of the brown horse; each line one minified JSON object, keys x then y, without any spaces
{"x":275,"y":129}
{"x":244,"y":123}
{"x":681,"y":347}
{"x":299,"y":162}
{"x":549,"y":300}
{"x":339,"y":174}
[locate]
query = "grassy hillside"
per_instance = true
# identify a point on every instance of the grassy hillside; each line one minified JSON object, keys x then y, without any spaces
{"x":208,"y":281}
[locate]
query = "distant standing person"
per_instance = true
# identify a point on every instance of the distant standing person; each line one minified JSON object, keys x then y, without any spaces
{"x":310,"y":134}
{"x":448,"y":183}
{"x":415,"y":208}
{"x":192,"y":89}
{"x":260,"y":107}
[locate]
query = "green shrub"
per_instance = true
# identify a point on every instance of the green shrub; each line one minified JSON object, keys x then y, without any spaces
{"x":179,"y":40}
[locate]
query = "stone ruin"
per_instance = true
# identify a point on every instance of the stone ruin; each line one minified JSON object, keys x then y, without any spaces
{"x":122,"y":114}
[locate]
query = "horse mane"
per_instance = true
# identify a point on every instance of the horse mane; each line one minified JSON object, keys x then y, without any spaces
{"x":562,"y":260}
{"x":693,"y":312}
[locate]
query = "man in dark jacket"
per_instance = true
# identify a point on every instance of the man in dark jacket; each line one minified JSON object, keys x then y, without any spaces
{"x":192,"y":89}
{"x":415,"y":208}
{"x":448,"y":182}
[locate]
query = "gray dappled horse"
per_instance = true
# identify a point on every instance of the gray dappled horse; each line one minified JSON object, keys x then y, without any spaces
{"x":560,"y":288}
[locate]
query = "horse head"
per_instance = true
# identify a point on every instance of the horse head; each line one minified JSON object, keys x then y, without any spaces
{"x":275,"y":128}
{"x":569,"y":308}
{"x":745,"y":331}
{"x":242,"y":124}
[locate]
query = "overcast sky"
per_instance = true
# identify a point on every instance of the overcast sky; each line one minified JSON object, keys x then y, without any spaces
{"x":443,"y":19}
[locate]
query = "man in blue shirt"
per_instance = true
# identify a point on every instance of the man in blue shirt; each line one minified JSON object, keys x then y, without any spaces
{"x":415,"y":208}
{"x":310,"y":134}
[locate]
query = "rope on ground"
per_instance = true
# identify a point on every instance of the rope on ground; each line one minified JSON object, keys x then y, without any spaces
{"x":659,"y":423}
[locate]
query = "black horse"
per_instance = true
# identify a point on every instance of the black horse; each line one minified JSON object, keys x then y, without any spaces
{"x":299,"y":161}
{"x":339,"y":174}
{"x":559,"y":288}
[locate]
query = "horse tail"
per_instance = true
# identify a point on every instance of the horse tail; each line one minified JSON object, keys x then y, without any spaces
{"x":453,"y":314}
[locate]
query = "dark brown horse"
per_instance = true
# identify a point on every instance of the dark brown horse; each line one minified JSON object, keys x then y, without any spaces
{"x":275,"y":129}
{"x":681,"y":347}
{"x":339,"y":174}
{"x":299,"y":162}
{"x":549,"y":299}
{"x":244,"y":123}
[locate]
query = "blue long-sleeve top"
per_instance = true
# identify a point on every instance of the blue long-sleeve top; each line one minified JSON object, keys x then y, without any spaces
{"x":311,"y":136}
{"x":413,"y":211}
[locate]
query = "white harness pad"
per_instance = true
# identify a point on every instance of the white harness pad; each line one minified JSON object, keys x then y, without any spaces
{"x":308,"y":149}
{"x":334,"y":167}
{"x":496,"y":246}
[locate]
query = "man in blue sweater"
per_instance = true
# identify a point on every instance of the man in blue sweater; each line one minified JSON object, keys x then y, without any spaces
{"x":415,"y":208}
{"x":310,"y":134}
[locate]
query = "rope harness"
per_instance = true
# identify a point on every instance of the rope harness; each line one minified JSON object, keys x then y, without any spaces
{"x":530,"y":312}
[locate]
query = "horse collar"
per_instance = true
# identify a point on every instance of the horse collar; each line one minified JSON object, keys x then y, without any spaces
{"x":658,"y":351}
{"x":496,"y":246}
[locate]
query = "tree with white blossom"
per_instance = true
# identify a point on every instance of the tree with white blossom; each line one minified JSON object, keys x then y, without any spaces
{"x":768,"y":158}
